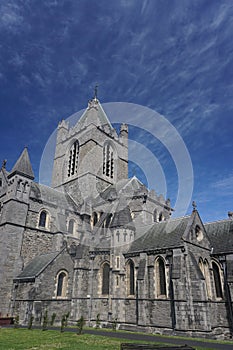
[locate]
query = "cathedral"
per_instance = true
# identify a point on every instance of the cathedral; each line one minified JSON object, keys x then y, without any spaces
{"x":103,"y":246}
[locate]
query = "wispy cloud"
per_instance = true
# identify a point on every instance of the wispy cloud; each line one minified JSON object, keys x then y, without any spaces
{"x":225,"y":185}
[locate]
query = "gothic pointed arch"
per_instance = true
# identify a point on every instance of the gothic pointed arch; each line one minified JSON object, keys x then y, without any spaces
{"x":217,"y":280}
{"x":130,"y":271}
{"x":61,"y":284}
{"x":160,"y":278}
{"x":43,"y":220}
{"x":105,"y":278}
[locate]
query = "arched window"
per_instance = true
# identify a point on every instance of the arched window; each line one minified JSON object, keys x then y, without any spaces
{"x":160,"y":278}
{"x":108,"y":161}
{"x":130,"y":278}
{"x":73,"y":159}
{"x":161,"y":218}
{"x":43,"y":219}
{"x":198,"y":233}
{"x":71,"y":226}
{"x":204,"y":267}
{"x":94,"y":219}
{"x":62,"y":279}
{"x":108,"y":220}
{"x":105,"y":278}
{"x":217,"y":280}
{"x":155,"y":215}
{"x":207,"y":279}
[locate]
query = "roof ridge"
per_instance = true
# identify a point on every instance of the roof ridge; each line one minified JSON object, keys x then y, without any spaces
{"x":213,"y":222}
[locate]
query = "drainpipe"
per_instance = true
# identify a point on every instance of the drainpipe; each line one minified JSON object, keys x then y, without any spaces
{"x":137,"y":308}
{"x":169,"y":256}
{"x":92,"y":257}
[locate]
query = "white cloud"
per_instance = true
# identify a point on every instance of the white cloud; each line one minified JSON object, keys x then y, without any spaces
{"x":226,"y":185}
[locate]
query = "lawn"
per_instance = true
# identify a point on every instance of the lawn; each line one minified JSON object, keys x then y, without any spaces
{"x":35,"y":339}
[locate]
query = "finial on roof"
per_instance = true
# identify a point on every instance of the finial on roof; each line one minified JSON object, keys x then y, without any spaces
{"x":96,"y":90}
{"x":194,"y":205}
{"x":4,"y":164}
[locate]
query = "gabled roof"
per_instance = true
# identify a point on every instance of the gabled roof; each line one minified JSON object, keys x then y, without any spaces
{"x":23,"y":166}
{"x":162,"y":235}
{"x":220,"y":234}
{"x":127,"y":187}
{"x":36,"y":266}
{"x":52,"y":196}
{"x":94,"y":114}
{"x":122,"y":217}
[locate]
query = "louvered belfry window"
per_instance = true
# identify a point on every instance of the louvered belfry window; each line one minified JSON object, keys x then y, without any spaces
{"x":108,"y":161}
{"x":73,"y":159}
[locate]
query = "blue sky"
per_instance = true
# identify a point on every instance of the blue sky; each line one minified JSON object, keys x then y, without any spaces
{"x":175,"y":57}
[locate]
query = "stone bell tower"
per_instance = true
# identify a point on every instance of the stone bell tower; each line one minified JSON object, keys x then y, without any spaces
{"x":91,"y":155}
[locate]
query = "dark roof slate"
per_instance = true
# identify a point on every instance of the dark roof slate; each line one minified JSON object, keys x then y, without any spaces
{"x":162,"y":235}
{"x":220,"y":234}
{"x":122,"y":219}
{"x":36,"y":266}
{"x":52,"y":196}
{"x":23,"y":165}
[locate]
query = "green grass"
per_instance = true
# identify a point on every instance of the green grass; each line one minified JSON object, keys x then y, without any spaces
{"x":36,"y":339}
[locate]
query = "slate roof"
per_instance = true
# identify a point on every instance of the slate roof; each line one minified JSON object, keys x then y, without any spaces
{"x":52,"y":196}
{"x":23,"y":165}
{"x":128,"y":187}
{"x":94,"y":114}
{"x":220,"y":234}
{"x":162,"y":235}
{"x":122,"y":218}
{"x":36,"y":266}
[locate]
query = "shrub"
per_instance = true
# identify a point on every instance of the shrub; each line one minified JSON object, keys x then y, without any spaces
{"x":114,"y":324}
{"x":31,"y":318}
{"x":80,"y":325}
{"x":64,"y":321}
{"x":97,"y":325}
{"x":53,"y":319}
{"x":16,"y":321}
{"x":45,"y":321}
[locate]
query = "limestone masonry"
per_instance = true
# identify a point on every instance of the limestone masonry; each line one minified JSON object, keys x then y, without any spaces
{"x":98,"y":242}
